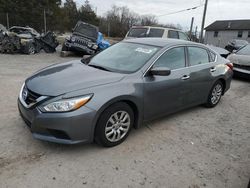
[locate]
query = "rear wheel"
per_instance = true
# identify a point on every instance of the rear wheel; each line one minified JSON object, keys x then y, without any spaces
{"x":114,"y":125}
{"x":215,"y":94}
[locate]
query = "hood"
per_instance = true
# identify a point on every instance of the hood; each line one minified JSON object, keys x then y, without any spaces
{"x":67,"y":77}
{"x":240,"y":59}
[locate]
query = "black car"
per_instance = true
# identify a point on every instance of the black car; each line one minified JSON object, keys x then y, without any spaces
{"x":85,"y":39}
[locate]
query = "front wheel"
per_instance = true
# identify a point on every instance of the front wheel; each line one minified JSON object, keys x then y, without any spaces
{"x":114,"y":125}
{"x":215,"y":94}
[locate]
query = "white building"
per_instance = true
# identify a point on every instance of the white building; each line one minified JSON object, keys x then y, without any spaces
{"x":221,"y":32}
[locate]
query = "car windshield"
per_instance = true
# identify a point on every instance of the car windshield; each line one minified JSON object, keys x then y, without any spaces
{"x":124,"y":57}
{"x":138,"y":32}
{"x":244,"y":51}
{"x":241,"y":42}
{"x":86,"y":30}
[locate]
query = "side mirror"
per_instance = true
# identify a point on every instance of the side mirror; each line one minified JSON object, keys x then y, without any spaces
{"x":234,"y":51}
{"x":160,"y":71}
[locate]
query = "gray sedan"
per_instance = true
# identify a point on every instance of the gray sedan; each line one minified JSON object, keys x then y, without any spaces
{"x":119,"y":89}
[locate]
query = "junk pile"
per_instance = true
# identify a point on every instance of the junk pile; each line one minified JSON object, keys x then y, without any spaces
{"x":26,"y":40}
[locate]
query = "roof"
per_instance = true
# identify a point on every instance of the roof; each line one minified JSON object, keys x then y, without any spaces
{"x":156,"y":27}
{"x":160,"y":42}
{"x":222,"y":25}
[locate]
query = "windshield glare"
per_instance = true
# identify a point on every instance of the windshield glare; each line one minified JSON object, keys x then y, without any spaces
{"x":244,"y":51}
{"x":124,"y":57}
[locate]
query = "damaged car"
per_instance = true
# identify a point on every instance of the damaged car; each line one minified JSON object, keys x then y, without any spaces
{"x":85,"y":39}
{"x":27,"y":40}
{"x":241,"y":62}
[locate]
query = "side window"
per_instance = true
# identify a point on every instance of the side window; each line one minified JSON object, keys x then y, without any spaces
{"x":155,"y":32}
{"x":197,"y":56}
{"x":172,"y":59}
{"x":173,"y":34}
{"x":213,"y":56}
{"x":183,"y":36}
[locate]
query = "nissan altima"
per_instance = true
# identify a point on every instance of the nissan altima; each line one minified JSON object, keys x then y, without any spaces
{"x":126,"y":85}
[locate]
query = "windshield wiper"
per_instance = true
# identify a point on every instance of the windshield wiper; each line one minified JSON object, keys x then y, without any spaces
{"x":99,"y":67}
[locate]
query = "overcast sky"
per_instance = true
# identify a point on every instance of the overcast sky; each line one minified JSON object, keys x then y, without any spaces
{"x":217,"y":9}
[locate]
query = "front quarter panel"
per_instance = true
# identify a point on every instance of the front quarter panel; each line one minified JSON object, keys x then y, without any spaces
{"x":129,"y":89}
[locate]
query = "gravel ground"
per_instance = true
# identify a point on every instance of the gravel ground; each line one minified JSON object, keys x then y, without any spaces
{"x":194,"y":148}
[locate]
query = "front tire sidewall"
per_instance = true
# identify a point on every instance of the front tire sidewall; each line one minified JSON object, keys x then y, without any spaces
{"x":100,"y":136}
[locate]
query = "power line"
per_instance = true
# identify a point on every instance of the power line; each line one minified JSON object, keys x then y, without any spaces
{"x":183,"y":10}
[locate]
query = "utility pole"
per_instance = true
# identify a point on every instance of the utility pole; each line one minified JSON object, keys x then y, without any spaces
{"x":7,"y":20}
{"x":191,"y":28}
{"x":203,"y":20}
{"x":195,"y":33}
{"x":45,"y":21}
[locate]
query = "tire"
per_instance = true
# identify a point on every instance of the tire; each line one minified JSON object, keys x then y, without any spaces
{"x":215,"y":94}
{"x":29,"y":48}
{"x":114,"y":125}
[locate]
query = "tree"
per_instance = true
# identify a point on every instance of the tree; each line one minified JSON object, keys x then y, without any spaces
{"x":87,"y":14}
{"x":71,"y":14}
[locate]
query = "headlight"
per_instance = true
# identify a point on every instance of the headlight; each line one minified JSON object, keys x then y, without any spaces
{"x":89,"y":45}
{"x":95,"y":47}
{"x":66,"y":105}
{"x":67,"y":38}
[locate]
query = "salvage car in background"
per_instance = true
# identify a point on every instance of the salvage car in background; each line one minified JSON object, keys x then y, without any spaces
{"x":223,"y":52}
{"x":241,"y":61}
{"x":103,"y":99}
{"x":159,"y":32}
{"x":86,"y":39}
{"x":26,"y":40}
{"x":235,"y":44}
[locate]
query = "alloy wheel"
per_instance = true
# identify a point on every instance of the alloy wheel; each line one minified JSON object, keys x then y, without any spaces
{"x":216,"y":94}
{"x":117,"y":126}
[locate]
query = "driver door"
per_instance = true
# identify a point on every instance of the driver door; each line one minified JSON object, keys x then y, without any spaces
{"x":166,"y":94}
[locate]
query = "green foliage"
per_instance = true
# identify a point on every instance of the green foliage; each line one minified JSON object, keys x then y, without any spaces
{"x":60,"y":17}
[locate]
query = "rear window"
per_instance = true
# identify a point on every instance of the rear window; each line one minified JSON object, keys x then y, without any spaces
{"x":156,"y":32}
{"x":244,"y":51}
{"x":173,"y":34}
{"x":213,"y":56}
{"x":137,"y":32}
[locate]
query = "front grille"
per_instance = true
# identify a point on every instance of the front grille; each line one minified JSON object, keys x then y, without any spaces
{"x":31,"y":96}
{"x":245,"y":67}
{"x":81,"y":41}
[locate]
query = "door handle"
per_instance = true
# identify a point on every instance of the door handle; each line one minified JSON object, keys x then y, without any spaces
{"x":185,"y":77}
{"x":213,"y":69}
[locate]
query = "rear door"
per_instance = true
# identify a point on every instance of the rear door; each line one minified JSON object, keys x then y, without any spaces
{"x":166,"y":94}
{"x":201,"y":74}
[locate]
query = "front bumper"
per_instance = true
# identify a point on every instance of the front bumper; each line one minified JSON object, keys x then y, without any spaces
{"x":79,"y":47}
{"x":65,"y":128}
{"x":242,"y":72}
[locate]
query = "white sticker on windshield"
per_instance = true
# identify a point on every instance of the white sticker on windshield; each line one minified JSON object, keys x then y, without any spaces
{"x":144,"y":50}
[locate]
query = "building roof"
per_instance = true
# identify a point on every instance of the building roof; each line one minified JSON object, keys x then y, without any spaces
{"x":222,"y":25}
